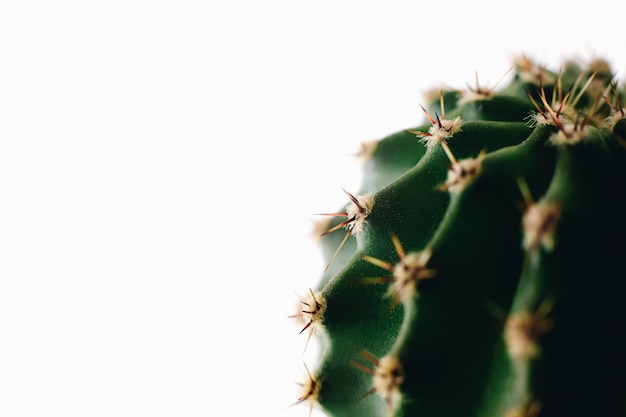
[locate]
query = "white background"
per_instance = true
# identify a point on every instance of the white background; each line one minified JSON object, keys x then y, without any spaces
{"x":161,"y":163}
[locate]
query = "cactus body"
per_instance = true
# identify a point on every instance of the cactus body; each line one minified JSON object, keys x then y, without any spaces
{"x":480,"y":270}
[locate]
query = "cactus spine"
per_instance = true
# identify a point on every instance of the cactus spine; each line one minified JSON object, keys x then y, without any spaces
{"x":481,"y":267}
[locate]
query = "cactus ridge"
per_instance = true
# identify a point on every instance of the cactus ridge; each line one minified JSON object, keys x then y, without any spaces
{"x":479,"y":270}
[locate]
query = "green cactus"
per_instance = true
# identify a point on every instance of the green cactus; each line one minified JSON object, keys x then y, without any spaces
{"x":480,"y":270}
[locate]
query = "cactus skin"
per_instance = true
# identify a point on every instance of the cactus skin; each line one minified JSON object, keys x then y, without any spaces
{"x":513,"y":303}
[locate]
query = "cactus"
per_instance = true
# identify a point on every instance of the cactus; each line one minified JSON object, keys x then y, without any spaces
{"x":479,"y":270}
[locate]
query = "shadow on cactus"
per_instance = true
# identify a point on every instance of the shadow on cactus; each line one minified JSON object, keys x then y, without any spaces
{"x":479,"y":270}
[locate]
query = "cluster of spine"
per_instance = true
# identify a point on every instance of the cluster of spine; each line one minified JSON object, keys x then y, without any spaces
{"x":480,"y":270}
